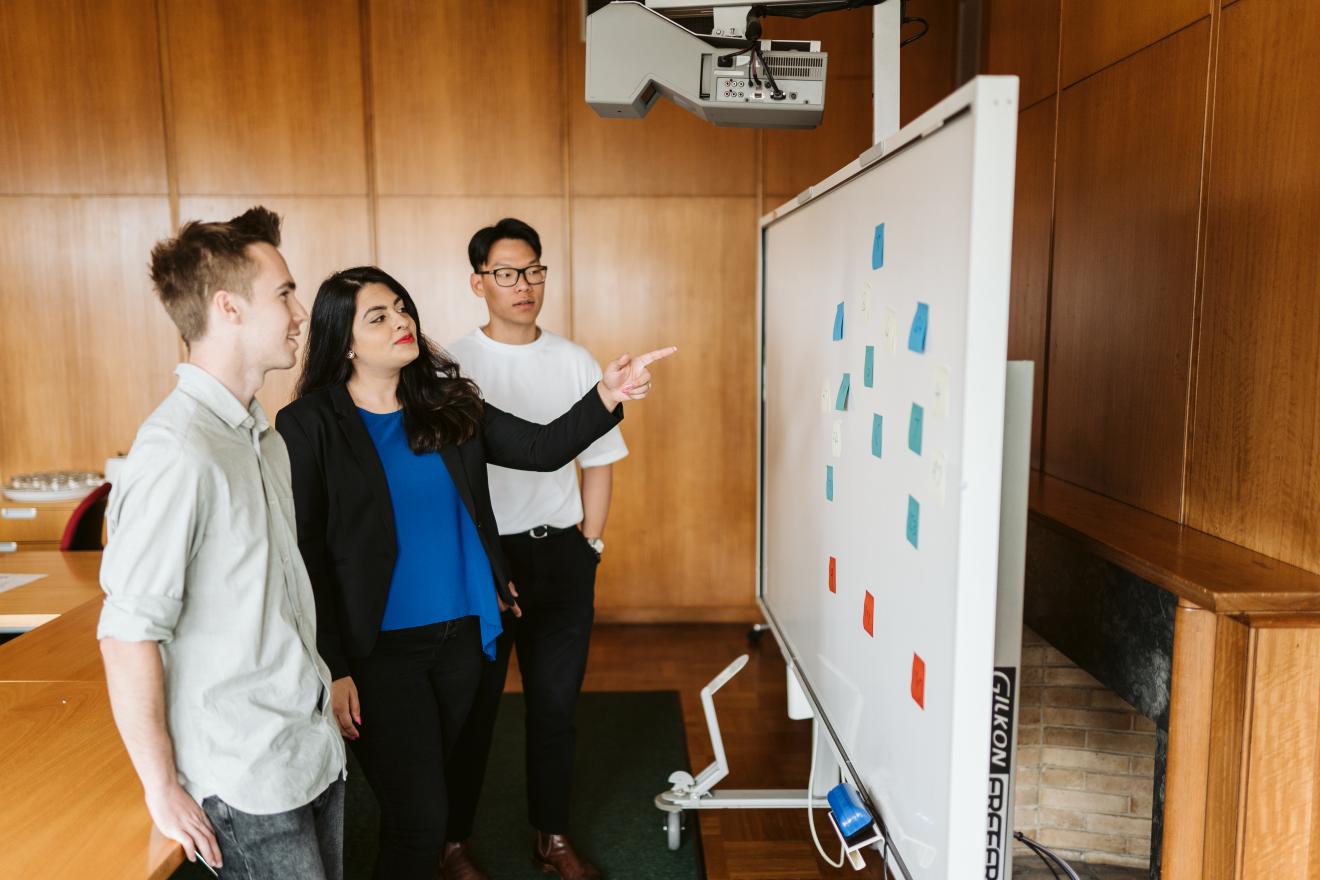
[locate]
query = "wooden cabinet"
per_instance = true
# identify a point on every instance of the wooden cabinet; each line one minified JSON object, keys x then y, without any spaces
{"x":33,"y":526}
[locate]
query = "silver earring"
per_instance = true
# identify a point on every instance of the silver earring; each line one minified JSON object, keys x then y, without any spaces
{"x":351,"y":355}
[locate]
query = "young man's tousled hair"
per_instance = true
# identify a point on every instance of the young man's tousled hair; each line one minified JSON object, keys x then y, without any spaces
{"x":205,"y":257}
{"x":484,"y":239}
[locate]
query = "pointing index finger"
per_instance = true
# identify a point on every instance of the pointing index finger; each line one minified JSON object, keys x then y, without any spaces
{"x":652,"y":356}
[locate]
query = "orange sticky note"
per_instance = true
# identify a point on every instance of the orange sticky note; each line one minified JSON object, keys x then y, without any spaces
{"x":919,"y":680}
{"x":834,"y":584}
{"x":868,"y":614}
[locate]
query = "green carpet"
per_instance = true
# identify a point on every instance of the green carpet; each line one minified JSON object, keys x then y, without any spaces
{"x":628,"y":744}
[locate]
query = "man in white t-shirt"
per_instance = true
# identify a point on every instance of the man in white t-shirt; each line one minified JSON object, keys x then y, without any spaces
{"x":551,"y":534}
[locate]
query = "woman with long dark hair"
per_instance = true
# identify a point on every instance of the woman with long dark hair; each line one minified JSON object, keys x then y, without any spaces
{"x":389,"y":446}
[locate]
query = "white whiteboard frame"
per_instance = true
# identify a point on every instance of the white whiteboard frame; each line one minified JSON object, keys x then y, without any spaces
{"x":992,"y":104}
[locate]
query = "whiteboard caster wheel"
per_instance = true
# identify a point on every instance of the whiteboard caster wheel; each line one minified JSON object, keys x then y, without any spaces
{"x":674,"y":829}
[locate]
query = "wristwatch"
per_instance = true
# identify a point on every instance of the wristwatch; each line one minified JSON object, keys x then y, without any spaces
{"x":597,"y":544}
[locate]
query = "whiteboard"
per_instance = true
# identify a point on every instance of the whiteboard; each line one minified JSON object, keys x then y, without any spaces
{"x":943,"y":190}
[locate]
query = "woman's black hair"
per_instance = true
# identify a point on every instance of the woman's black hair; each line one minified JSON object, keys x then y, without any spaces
{"x":440,"y":407}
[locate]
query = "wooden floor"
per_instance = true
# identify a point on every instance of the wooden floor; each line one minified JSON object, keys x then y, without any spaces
{"x":1031,"y":868}
{"x":765,"y":749}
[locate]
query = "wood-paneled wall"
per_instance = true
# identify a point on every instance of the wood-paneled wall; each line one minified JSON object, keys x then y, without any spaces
{"x":1165,"y":264}
{"x":1125,"y":236}
{"x":387,"y":131}
{"x":1254,"y":469}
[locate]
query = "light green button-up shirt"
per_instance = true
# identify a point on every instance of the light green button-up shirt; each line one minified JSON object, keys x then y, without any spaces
{"x":203,"y":558}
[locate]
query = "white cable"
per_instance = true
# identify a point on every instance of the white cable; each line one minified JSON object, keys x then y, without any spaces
{"x":811,"y":798}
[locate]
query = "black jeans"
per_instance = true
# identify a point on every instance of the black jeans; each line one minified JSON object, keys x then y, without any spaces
{"x":415,"y":689}
{"x":556,"y":582}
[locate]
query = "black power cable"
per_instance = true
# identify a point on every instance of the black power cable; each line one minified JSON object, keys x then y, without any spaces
{"x":775,"y":93}
{"x":808,"y":10}
{"x":756,"y":13}
{"x":906,"y":19}
{"x":754,"y":43}
{"x":1048,"y":856}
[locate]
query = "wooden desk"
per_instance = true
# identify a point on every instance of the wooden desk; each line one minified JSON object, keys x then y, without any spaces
{"x":71,"y":579}
{"x":63,"y":650}
{"x":1242,"y":789}
{"x":72,"y":805}
{"x":70,"y":802}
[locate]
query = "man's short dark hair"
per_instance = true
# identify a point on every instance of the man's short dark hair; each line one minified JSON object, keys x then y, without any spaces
{"x":481,"y":243}
{"x":205,"y":257}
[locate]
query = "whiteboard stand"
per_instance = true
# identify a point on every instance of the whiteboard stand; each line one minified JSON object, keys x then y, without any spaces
{"x":1018,"y":388}
{"x":697,"y":793}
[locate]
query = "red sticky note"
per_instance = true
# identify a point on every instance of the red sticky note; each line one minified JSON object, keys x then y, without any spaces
{"x":868,"y":614}
{"x":919,"y":680}
{"x":834,"y":583}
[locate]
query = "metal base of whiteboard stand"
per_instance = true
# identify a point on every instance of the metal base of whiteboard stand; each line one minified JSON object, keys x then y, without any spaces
{"x":695,"y":793}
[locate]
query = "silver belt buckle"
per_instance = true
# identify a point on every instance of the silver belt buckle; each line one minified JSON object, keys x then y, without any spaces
{"x":544,"y":530}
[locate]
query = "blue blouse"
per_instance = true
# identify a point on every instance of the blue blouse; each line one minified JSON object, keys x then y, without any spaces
{"x":441,"y":571}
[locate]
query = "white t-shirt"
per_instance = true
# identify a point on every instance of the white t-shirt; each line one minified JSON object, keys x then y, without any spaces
{"x":539,"y":382}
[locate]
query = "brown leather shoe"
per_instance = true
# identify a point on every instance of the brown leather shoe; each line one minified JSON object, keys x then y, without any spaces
{"x":458,"y":863}
{"x":555,"y":855}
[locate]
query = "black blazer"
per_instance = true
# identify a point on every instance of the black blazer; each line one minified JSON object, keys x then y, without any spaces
{"x":345,"y":519}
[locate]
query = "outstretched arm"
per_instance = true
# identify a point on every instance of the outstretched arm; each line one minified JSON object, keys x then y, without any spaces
{"x":517,"y":443}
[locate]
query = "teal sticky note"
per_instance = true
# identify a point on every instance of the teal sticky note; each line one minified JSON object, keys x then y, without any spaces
{"x":829,"y":482}
{"x":913,"y":520}
{"x":914,"y":428}
{"x":878,"y":247}
{"x":838,"y":322}
{"x":877,"y":434}
{"x":841,"y":402}
{"x":868,"y":371}
{"x":917,"y":335}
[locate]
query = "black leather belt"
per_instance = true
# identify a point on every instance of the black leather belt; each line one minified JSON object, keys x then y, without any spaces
{"x":546,"y":531}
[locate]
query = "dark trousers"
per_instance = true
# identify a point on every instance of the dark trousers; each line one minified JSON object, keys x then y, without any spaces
{"x":556,"y":582}
{"x":415,"y":689}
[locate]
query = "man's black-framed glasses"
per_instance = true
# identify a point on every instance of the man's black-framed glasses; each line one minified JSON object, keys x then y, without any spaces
{"x":506,"y":276}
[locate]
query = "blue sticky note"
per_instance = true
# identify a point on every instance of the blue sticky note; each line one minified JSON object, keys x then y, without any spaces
{"x":868,"y":371}
{"x":914,"y":428}
{"x":841,"y":402}
{"x":829,"y":482}
{"x":838,"y":322}
{"x":917,"y":336}
{"x":878,"y":247}
{"x":877,"y":434}
{"x":913,"y":520}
